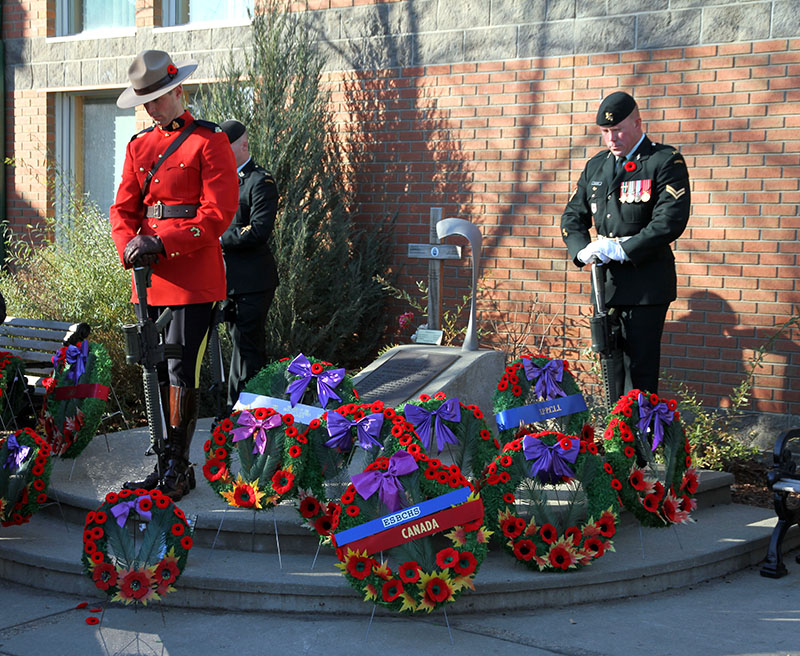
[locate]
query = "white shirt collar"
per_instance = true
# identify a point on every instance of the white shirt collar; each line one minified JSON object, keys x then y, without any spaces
{"x":239,"y":170}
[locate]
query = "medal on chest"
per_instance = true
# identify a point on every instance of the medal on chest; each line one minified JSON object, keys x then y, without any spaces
{"x":635,"y":191}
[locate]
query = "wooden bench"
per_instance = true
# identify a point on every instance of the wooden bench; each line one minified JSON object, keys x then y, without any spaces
{"x":36,"y":342}
{"x":783,"y":480}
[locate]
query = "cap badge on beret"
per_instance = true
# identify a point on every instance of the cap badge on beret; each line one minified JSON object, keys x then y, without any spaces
{"x":616,"y":107}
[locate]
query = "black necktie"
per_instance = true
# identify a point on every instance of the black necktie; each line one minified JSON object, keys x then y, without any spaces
{"x":618,"y":165}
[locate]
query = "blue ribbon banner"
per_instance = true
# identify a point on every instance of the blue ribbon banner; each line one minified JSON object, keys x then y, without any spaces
{"x":528,"y":414}
{"x":403,"y":516}
{"x":302,"y":413}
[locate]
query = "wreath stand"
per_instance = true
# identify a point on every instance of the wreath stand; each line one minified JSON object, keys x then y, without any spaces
{"x":253,"y":535}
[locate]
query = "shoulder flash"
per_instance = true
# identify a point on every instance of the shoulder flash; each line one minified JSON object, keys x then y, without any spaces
{"x":208,"y":124}
{"x":142,"y":132}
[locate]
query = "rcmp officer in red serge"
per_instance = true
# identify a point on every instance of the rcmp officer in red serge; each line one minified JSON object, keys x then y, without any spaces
{"x":170,"y":211}
{"x":636,"y":194}
{"x":250,"y":266}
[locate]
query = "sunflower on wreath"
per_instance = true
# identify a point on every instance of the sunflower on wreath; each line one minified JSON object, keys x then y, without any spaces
{"x":534,"y":495}
{"x":302,"y":380}
{"x":271,"y":454}
{"x":453,"y":431}
{"x":24,"y":475}
{"x":650,"y":459}
{"x":136,"y":569}
{"x":425,"y":563}
{"x":76,"y":397}
{"x":12,"y":386}
{"x":533,"y":379}
{"x":333,"y":443}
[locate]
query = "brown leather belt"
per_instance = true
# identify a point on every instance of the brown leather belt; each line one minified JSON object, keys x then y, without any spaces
{"x":161,"y":211}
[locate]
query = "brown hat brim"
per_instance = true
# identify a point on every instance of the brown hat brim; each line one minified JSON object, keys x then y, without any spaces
{"x":129,"y":98}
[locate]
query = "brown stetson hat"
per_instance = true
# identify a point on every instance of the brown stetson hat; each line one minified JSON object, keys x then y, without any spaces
{"x":152,"y":74}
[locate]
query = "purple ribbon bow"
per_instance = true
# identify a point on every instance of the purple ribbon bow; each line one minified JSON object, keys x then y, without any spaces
{"x":326,"y":381}
{"x":547,"y":378}
{"x":385,"y":483}
{"x":422,"y":418}
{"x":76,"y":357}
{"x":659,"y":414}
{"x":250,"y":425}
{"x":16,"y":453}
{"x":122,"y":510}
{"x":368,"y":430}
{"x":550,"y":463}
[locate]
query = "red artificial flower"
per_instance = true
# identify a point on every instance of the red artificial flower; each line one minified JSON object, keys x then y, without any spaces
{"x":502,"y":386}
{"x":524,"y":550}
{"x":609,"y":469}
{"x":220,"y":453}
{"x":309,"y":507}
{"x":38,"y":485}
{"x":548,"y":533}
{"x":111,"y":497}
{"x":97,"y":533}
{"x":508,"y":497}
{"x":485,"y":434}
{"x":466,"y":563}
{"x":261,"y":413}
{"x":409,"y":571}
{"x":573,"y":533}
{"x":505,"y":461}
{"x":244,"y":495}
{"x":391,"y":590}
{"x":606,"y":524}
{"x":630,"y":165}
{"x":349,"y":494}
{"x":92,"y":620}
{"x":220,"y":439}
{"x":324,"y":525}
{"x":446,"y":558}
{"x":594,"y":547}
{"x":650,"y":503}
{"x":172,"y":71}
{"x":100,"y":517}
{"x":636,"y":479}
{"x":353,"y":510}
{"x":178,"y":529}
{"x":516,"y":390}
{"x":166,"y":573}
{"x":214,"y":469}
{"x":513,"y":527}
{"x":97,"y":557}
{"x":615,"y":484}
{"x":187,"y":542}
{"x":104,"y":576}
{"x":437,"y":589}
{"x":226,"y":425}
{"x":145,"y":505}
{"x":629,"y":452}
{"x":282,"y":481}
{"x":295,"y":451}
{"x":560,"y":557}
{"x":163,"y":502}
{"x":360,"y":566}
{"x":135,"y":585}
{"x":124,"y":494}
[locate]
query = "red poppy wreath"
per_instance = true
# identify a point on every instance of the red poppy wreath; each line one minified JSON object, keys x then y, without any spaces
{"x":24,"y":475}
{"x":435,"y":541}
{"x":333,"y":441}
{"x":136,"y":561}
{"x":538,"y":392}
{"x":12,"y":386}
{"x":271,"y":455}
{"x":533,"y":471}
{"x":650,"y":458}
{"x":450,"y":430}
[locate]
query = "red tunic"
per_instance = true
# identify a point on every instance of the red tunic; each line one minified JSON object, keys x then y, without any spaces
{"x":202,"y":171}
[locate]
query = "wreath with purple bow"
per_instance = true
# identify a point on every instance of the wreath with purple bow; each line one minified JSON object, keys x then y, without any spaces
{"x":271,"y":454}
{"x":548,"y":499}
{"x":135,"y":545}
{"x":24,"y":475}
{"x":650,"y":458}
{"x":451,"y":431}
{"x":533,"y":378}
{"x":76,"y":397}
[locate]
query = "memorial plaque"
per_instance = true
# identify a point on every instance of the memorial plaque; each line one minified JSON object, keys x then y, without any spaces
{"x":400,"y":377}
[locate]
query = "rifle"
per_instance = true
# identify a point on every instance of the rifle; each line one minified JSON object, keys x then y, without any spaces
{"x":144,"y":345}
{"x":217,"y":388}
{"x":606,"y":341}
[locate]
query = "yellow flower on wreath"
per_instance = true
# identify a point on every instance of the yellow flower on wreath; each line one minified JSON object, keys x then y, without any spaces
{"x":244,"y":494}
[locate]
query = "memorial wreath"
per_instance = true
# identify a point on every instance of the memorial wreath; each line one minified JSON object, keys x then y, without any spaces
{"x":424,"y":568}
{"x":515,"y":495}
{"x":644,"y":429}
{"x":12,"y":386}
{"x":270,"y":450}
{"x":111,"y":558}
{"x":76,"y":397}
{"x":24,"y":475}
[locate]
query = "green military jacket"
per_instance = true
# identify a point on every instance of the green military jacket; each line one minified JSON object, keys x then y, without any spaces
{"x":648,"y":202}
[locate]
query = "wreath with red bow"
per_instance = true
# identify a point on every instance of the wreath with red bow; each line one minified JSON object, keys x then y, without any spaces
{"x":76,"y":397}
{"x":24,"y":475}
{"x":521,"y":484}
{"x":136,"y":561}
{"x":424,"y":572}
{"x":650,"y":458}
{"x":533,"y":378}
{"x":270,"y":450}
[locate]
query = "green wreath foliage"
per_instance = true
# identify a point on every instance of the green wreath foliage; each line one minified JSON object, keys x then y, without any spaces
{"x":12,"y":394}
{"x":136,"y":569}
{"x":514,"y":390}
{"x":264,"y":479}
{"x":658,"y":494}
{"x":423,"y":574}
{"x":518,"y":513}
{"x":23,"y":489}
{"x":70,"y":424}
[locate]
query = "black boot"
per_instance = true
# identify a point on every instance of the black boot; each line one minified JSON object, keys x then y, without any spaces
{"x":178,"y":477}
{"x":152,"y":480}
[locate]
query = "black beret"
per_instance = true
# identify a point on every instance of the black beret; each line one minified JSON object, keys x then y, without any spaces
{"x":615,"y":108}
{"x":233,"y":129}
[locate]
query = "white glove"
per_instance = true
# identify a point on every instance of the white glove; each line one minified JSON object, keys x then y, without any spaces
{"x":592,"y":251}
{"x":612,"y":250}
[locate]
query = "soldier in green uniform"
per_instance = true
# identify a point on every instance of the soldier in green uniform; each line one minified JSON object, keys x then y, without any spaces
{"x":250,"y":267}
{"x":636,"y":194}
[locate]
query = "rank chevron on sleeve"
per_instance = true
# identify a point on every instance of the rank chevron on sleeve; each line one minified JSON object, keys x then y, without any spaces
{"x":675,"y":193}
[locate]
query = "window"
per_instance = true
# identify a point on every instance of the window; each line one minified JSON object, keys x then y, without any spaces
{"x":76,"y":16}
{"x":181,"y":12}
{"x":91,"y":136}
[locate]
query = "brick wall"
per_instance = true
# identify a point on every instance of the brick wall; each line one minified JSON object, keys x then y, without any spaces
{"x":486,"y":108}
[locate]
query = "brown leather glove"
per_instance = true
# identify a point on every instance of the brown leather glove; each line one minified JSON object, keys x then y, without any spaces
{"x":142,"y":250}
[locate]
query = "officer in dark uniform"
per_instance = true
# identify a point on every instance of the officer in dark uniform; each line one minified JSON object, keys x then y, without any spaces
{"x":250,"y":267}
{"x":637,"y":195}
